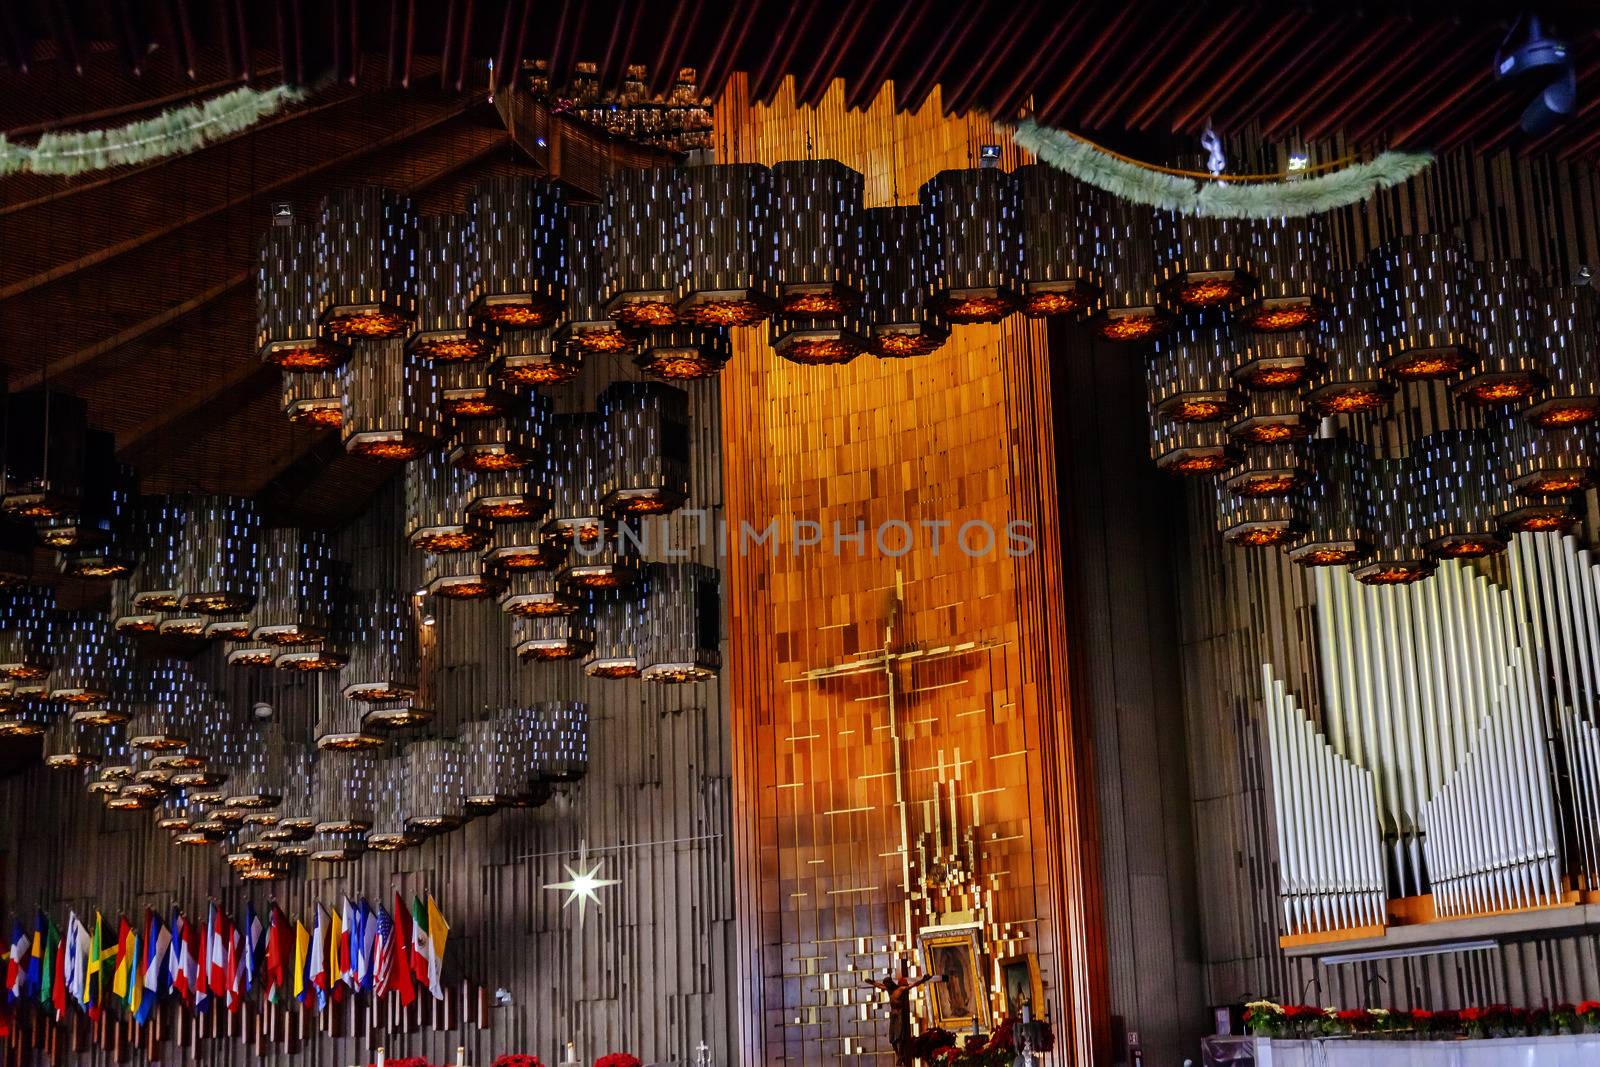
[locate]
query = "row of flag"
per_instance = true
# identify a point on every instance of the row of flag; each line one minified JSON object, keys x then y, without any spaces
{"x":353,"y":948}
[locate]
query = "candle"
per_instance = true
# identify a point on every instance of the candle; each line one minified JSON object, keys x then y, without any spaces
{"x":380,"y":1056}
{"x":461,"y":1056}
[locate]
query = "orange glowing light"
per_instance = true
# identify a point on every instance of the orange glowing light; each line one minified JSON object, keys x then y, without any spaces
{"x":819,"y":304}
{"x":84,"y":568}
{"x":1065,"y":302}
{"x":904,"y":344}
{"x":1265,"y":484}
{"x":500,"y":510}
{"x":1199,"y":410}
{"x":540,"y":608}
{"x":310,"y":661}
{"x":474,"y":405}
{"x":1199,"y":463}
{"x":349,"y":742}
{"x":1208,"y":292}
{"x":1276,"y":377}
{"x":451,"y":349}
{"x":1282,"y":318}
{"x":397,"y":717}
{"x":524,"y":316}
{"x":1565,"y":412}
{"x":371,"y":322}
{"x":724,"y":313}
{"x":491,"y":458}
{"x":1327,"y":557}
{"x":1349,"y":400}
{"x":678,"y":364}
{"x":401,"y":450}
{"x":1398,"y":574}
{"x":644,"y":314}
{"x":531,"y":558}
{"x":465,"y":589}
{"x":549,"y":650}
{"x":439,"y":539}
{"x":602,"y":339}
{"x":252,"y":657}
{"x":1422,"y":366}
{"x":1263,"y":433}
{"x":322,"y":414}
{"x":1136,"y":327}
{"x":612,"y":670}
{"x":313,"y":355}
{"x":1502,"y":390}
{"x":1467,"y":547}
{"x":646,"y":503}
{"x":1555,"y":482}
{"x":1541,"y":521}
{"x":1260,"y":536}
{"x":988,"y":308}
{"x":546,"y":371}
{"x":597,"y":578}
{"x":820,"y":351}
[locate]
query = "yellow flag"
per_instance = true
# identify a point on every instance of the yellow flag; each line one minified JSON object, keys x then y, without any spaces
{"x":438,"y":930}
{"x":333,"y":946}
{"x":302,"y":943}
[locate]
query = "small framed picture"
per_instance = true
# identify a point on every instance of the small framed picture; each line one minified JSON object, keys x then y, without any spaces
{"x":1019,"y":978}
{"x":961,"y":996}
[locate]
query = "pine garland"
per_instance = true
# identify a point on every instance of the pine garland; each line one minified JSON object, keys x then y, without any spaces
{"x":1219,"y":199}
{"x":173,"y":132}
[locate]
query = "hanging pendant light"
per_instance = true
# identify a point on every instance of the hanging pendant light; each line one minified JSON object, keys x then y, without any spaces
{"x":172,"y":814}
{"x":340,"y":722}
{"x":102,"y":541}
{"x":159,"y":532}
{"x":255,"y":782}
{"x":46,"y":434}
{"x":512,"y":496}
{"x":1293,"y":261}
{"x":508,"y":443}
{"x":500,"y":758}
{"x":367,"y":251}
{"x":1422,"y":292}
{"x":1550,"y":461}
{"x":534,"y":357}
{"x":436,"y":774}
{"x":471,"y":392}
{"x":1268,"y":361}
{"x":384,"y":660}
{"x":682,"y":354}
{"x":343,"y":784}
{"x":395,"y":714}
{"x":610,"y":562}
{"x":683,"y":624}
{"x":251,"y":654}
{"x":295,"y":817}
{"x":460,"y":576}
{"x":562,"y":749}
{"x":1461,"y":472}
{"x":818,"y":217}
{"x":389,"y":833}
{"x":732,"y":250}
{"x":329,"y":654}
{"x":1130,"y":308}
{"x":289,"y":333}
{"x":1202,"y":261}
{"x":539,"y":592}
{"x":90,"y":523}
{"x":315,"y":398}
{"x":90,"y":659}
{"x":448,"y":284}
{"x":587,"y":326}
{"x":1511,"y":359}
{"x":1271,"y":417}
{"x":647,"y":425}
{"x":579,"y":457}
{"x":1568,"y":323}
{"x":974,"y":239}
{"x":1060,"y":241}
{"x":1192,"y":448}
{"x":161,"y":702}
{"x":1256,"y":521}
{"x":296,"y":603}
{"x":552,"y":637}
{"x":70,"y":746}
{"x":521,"y":226}
{"x":27,"y":634}
{"x":1351,"y":380}
{"x":221,"y":541}
{"x":482,"y":751}
{"x":643,"y":250}
{"x":1398,"y":520}
{"x":899,"y":313}
{"x":437,"y":496}
{"x":1187,"y":373}
{"x":334,"y":847}
{"x":820,"y":342}
{"x":390,"y":402}
{"x":522,"y":546}
{"x":620,"y":616}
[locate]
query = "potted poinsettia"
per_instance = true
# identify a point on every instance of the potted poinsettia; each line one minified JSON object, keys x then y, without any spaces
{"x":516,"y":1059}
{"x":1263,"y":1018}
{"x":1588,"y":1015}
{"x":618,"y":1059}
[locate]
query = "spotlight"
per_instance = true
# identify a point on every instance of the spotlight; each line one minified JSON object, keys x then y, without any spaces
{"x":1540,"y":60}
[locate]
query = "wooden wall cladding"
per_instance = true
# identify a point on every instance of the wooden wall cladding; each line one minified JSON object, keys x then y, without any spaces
{"x":652,"y":972}
{"x":962,"y":434}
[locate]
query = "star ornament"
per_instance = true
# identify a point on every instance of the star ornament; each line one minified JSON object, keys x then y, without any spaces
{"x":582,"y":883}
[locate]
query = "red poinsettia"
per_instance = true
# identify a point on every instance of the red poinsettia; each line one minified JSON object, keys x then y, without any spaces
{"x":516,"y":1059}
{"x":618,"y":1059}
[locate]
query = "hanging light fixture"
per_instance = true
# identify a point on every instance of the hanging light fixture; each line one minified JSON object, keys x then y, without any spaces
{"x":1256,"y":521}
{"x":539,"y":592}
{"x":70,"y":746}
{"x":1351,"y":380}
{"x":344,"y":784}
{"x":27,"y":637}
{"x":91,"y":658}
{"x":367,"y":252}
{"x":1461,"y":472}
{"x":1511,"y":357}
{"x":448,"y":284}
{"x":159,"y":528}
{"x":384,"y":660}
{"x":818,"y":217}
{"x":289,"y":333}
{"x":682,"y":624}
{"x":1268,"y":361}
{"x":295,"y":817}
{"x":483,"y":752}
{"x":1187,"y":373}
{"x":219,"y":570}
{"x":534,"y":357}
{"x":587,"y":326}
{"x":161,"y":702}
{"x":255,"y":781}
{"x":815,"y":341}
{"x":436,"y":781}
{"x":389,"y":832}
{"x":315,"y":398}
{"x":647,"y":426}
{"x":899,"y":312}
{"x":102,"y":541}
{"x":1422,"y":300}
{"x":508,"y":443}
{"x":1130,"y":308}
{"x":973,"y":221}
{"x":437,"y":496}
{"x":1202,"y":261}
{"x":1277,"y":469}
{"x":460,"y":576}
{"x":579,"y":457}
{"x":471,"y":392}
{"x":1569,"y":326}
{"x":340,"y":724}
{"x":46,"y":434}
{"x":296,"y":603}
{"x":390,"y":402}
{"x":552,"y":637}
{"x":643,"y":249}
{"x":1545,"y":466}
{"x":1271,"y":417}
{"x":334,"y":847}
{"x":608,"y":563}
{"x":682,"y":354}
{"x":1192,"y":448}
{"x":562,"y":749}
{"x":89,"y":524}
{"x":172,"y":814}
{"x":1060,"y":241}
{"x":512,"y":496}
{"x":522,"y":546}
{"x":329,"y":654}
{"x":732,"y":250}
{"x":251,"y":654}
{"x":1397,"y":506}
{"x":1292,"y":261}
{"x":521,"y":225}
{"x":621,"y":616}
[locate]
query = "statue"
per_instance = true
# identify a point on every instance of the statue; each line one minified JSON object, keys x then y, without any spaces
{"x":899,"y":991}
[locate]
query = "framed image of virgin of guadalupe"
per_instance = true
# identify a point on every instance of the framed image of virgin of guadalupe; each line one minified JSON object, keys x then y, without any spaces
{"x":960,"y":999}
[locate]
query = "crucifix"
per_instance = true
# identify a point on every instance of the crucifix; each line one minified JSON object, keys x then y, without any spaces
{"x":885,"y":661}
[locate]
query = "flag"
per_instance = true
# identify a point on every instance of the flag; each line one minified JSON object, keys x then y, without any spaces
{"x":49,"y":962}
{"x":157,"y":955}
{"x":317,"y":962}
{"x":36,"y":958}
{"x":383,"y":954}
{"x":218,"y":928}
{"x":92,"y":983}
{"x":235,"y":968}
{"x":335,"y":940}
{"x":58,"y":981}
{"x":438,"y":933}
{"x":347,"y":967}
{"x":76,"y":957}
{"x":369,"y":943}
{"x":17,"y":964}
{"x":180,"y":960}
{"x":279,"y":953}
{"x":252,"y":945}
{"x":135,"y":975}
{"x":302,"y":945}
{"x":403,"y":978}
{"x":124,"y":965}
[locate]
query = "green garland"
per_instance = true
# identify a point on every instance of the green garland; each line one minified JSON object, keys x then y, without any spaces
{"x":179,"y":130}
{"x":1219,"y":199}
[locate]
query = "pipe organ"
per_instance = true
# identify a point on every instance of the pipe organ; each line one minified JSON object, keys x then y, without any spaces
{"x":1452,"y":753}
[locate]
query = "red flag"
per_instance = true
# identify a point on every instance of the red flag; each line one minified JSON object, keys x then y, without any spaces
{"x":58,"y":987}
{"x":402,"y":979}
{"x":278,"y":953}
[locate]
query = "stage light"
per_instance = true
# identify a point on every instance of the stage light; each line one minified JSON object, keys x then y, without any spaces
{"x":1543,"y":61}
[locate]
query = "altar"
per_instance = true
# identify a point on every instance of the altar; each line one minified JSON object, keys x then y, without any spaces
{"x":1568,"y":1050}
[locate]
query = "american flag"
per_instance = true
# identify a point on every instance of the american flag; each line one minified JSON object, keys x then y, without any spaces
{"x":384,"y":964}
